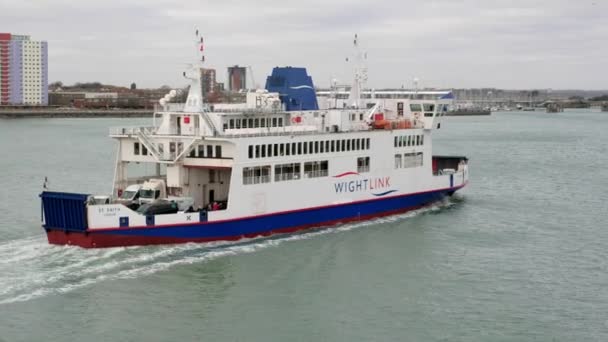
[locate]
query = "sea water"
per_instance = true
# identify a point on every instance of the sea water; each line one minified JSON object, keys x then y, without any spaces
{"x":520,"y":254}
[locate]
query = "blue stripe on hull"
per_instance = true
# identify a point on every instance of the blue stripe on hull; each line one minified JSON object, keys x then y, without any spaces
{"x":268,"y":223}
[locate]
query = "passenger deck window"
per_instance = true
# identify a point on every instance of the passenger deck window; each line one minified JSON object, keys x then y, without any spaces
{"x":363,"y":164}
{"x":285,"y":172}
{"x":316,"y":169}
{"x":398,"y":161}
{"x":256,"y":174}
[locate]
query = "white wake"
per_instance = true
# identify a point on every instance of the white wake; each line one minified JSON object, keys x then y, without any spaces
{"x":32,"y":269}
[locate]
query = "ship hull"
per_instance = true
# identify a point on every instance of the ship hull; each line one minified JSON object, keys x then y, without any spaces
{"x":248,"y":227}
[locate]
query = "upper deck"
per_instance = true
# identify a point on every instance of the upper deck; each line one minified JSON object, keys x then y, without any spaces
{"x":228,"y":121}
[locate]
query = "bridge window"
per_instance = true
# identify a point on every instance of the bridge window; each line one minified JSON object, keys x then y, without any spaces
{"x":257,"y":151}
{"x":218,"y":151}
{"x":231,"y":123}
{"x":276,"y":150}
{"x":250,"y":152}
{"x":263,"y":151}
{"x":136,"y":148}
{"x":333,"y":149}
{"x":274,"y":122}
{"x":280,"y":122}
{"x":367,"y":143}
{"x":284,"y":172}
{"x":209,"y":151}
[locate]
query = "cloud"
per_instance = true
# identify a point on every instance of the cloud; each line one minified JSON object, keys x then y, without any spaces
{"x":469,"y":43}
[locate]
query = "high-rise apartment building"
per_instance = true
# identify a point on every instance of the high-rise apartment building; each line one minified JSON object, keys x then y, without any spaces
{"x":237,"y":78}
{"x":23,"y":70}
{"x":208,"y":81}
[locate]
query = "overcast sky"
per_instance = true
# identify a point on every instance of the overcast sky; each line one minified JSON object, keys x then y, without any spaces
{"x":445,"y":43}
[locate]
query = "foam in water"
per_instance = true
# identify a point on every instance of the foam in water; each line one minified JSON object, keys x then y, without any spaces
{"x":33,"y":269}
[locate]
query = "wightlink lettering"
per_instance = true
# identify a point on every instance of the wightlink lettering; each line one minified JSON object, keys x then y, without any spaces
{"x":363,"y":185}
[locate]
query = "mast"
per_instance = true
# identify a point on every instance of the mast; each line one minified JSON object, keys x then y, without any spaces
{"x":194,"y":102}
{"x":360,"y":75}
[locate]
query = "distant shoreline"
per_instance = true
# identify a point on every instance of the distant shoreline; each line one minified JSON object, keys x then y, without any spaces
{"x":74,"y":113}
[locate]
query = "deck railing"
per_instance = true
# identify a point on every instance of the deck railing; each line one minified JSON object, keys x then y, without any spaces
{"x":133,"y":130}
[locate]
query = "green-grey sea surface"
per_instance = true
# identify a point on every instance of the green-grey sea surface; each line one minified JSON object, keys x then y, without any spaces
{"x":521,"y":254}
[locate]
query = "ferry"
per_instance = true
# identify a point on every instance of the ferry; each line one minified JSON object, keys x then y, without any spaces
{"x":275,"y":164}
